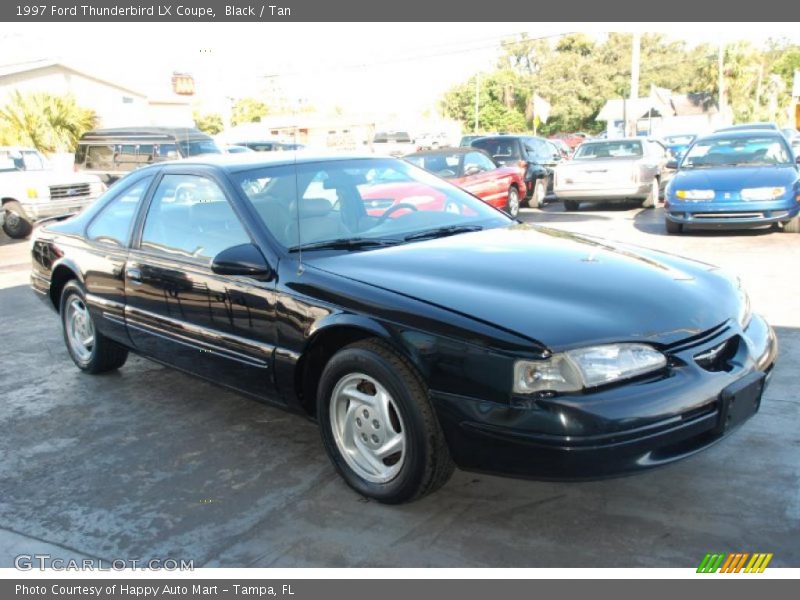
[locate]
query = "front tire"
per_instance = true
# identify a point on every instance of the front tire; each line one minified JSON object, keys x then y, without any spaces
{"x":16,"y":224}
{"x":378,"y":426}
{"x":673,"y":228}
{"x":89,"y":349}
{"x":512,"y":203}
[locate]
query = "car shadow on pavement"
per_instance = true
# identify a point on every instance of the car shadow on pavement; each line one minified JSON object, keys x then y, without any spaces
{"x":555,"y":213}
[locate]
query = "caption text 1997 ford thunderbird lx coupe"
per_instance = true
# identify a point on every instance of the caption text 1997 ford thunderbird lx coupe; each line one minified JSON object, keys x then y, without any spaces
{"x":421,"y":328}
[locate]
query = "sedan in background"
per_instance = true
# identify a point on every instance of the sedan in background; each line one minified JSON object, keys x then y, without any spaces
{"x":473,"y":170}
{"x":734,"y":180}
{"x":613,"y":171}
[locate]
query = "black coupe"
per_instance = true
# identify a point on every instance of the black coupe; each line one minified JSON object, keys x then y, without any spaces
{"x":421,"y":328}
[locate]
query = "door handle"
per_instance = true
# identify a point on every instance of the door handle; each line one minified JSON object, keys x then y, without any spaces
{"x":133,"y":275}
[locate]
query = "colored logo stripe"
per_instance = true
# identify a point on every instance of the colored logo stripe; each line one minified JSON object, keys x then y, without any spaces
{"x":734,"y":562}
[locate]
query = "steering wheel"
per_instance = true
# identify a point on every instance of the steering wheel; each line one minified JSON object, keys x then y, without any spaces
{"x":393,"y":209}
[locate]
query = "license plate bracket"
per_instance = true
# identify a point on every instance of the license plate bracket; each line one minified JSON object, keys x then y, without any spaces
{"x":740,"y":401}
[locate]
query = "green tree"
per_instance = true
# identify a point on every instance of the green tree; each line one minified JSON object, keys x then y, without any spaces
{"x":45,"y":121}
{"x":211,"y":123}
{"x":248,"y":110}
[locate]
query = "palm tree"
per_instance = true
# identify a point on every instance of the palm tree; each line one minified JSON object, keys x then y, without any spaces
{"x":47,"y":122}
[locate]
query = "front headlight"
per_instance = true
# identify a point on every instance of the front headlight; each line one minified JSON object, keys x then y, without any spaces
{"x":745,"y":308}
{"x":695,"y":194}
{"x":763,"y":193}
{"x":576,"y":370}
{"x":33,"y":193}
{"x":97,"y":187}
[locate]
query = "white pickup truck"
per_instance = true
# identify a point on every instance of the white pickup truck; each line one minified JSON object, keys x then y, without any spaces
{"x":31,"y":190}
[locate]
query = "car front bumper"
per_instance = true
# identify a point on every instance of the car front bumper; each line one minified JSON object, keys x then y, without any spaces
{"x":731,"y":215}
{"x":35,"y":211}
{"x":618,"y":430}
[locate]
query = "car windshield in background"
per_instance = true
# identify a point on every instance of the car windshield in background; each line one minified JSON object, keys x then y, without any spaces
{"x":605,"y":150}
{"x":360,"y":203}
{"x":441,"y":164}
{"x":679,"y":140}
{"x":735,"y":151}
{"x":400,"y":137}
{"x":198,"y":147}
{"x":501,"y":149}
{"x":25,"y":160}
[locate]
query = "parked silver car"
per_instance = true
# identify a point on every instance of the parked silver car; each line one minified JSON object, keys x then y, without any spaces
{"x":613,"y":170}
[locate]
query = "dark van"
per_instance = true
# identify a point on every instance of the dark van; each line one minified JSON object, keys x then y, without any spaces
{"x":111,"y":153}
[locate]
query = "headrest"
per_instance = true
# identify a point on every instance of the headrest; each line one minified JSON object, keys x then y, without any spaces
{"x":314,"y":207}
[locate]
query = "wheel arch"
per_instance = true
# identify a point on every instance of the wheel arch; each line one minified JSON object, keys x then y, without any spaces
{"x":63,"y":272}
{"x":326,"y":338}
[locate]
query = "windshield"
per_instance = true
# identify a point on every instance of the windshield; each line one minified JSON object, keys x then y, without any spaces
{"x":442,"y":164}
{"x":197,"y":147}
{"x":22,"y":160}
{"x":501,"y":149}
{"x":679,"y":140}
{"x":605,"y":150}
{"x":738,"y":150}
{"x":360,"y":200}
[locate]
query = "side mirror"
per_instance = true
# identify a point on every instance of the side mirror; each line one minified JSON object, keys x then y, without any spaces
{"x":245,"y":260}
{"x":672,"y":164}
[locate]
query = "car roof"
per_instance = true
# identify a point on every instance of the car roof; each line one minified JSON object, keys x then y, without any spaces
{"x":244,"y":161}
{"x":146,"y":131}
{"x":740,"y":133}
{"x":743,"y":126}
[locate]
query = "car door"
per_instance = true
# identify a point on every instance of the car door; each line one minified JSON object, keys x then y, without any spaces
{"x":178,"y":310}
{"x":106,"y":252}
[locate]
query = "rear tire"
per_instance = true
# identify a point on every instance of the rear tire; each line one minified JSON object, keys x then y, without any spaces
{"x":571,"y":205}
{"x":537,"y":197}
{"x":16,"y":224}
{"x":792,"y":225}
{"x":652,"y":197}
{"x":673,"y":228}
{"x":512,"y":203}
{"x":89,"y":349}
{"x":378,"y":426}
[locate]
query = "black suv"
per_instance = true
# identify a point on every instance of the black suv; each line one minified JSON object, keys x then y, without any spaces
{"x":534,"y":156}
{"x":112,"y":153}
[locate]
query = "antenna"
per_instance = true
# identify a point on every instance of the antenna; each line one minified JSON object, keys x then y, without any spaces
{"x":297,"y":197}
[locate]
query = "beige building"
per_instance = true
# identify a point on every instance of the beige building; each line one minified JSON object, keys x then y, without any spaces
{"x":115,"y":104}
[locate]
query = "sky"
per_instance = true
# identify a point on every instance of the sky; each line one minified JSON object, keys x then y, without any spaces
{"x":362,"y":67}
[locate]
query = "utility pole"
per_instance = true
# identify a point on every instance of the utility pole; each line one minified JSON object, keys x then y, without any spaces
{"x":635,"y":60}
{"x":477,"y":100}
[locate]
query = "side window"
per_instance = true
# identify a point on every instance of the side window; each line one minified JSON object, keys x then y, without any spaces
{"x":113,"y":224}
{"x":190,"y":217}
{"x":479,"y":161}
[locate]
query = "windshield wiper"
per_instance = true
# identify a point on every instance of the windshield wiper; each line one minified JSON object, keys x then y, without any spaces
{"x":346,"y":244}
{"x":442,"y":232}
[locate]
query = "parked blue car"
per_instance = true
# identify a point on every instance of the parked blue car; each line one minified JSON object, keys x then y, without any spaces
{"x":735,"y":180}
{"x":679,"y":144}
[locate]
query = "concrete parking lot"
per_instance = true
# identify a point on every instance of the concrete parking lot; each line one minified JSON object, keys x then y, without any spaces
{"x":149,"y":463}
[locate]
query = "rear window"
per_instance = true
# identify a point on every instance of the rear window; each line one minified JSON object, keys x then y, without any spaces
{"x":500,"y":149}
{"x":602,"y":150}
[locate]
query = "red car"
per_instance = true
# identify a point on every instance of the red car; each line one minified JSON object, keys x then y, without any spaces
{"x":474,"y":171}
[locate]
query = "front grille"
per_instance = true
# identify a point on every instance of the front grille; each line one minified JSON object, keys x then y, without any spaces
{"x":738,"y":215}
{"x":718,"y":357}
{"x":58,"y":192}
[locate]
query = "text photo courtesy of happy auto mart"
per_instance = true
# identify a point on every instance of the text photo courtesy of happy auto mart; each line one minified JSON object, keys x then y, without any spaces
{"x":516,"y":298}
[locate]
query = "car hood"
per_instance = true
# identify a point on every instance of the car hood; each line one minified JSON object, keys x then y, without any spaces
{"x":559,"y":289}
{"x":733,"y":179}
